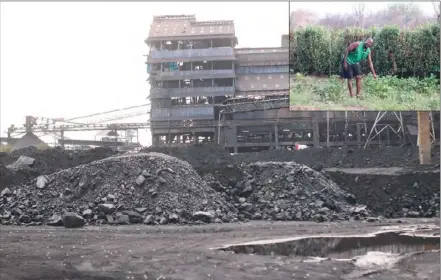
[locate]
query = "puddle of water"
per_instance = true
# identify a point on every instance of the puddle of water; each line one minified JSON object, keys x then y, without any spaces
{"x":341,"y":247}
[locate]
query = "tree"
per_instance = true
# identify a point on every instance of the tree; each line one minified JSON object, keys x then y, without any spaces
{"x":359,"y":10}
{"x":301,"y":18}
{"x":437,"y":8}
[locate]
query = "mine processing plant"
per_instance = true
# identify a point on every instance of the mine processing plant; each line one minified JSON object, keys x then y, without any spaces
{"x":195,"y":68}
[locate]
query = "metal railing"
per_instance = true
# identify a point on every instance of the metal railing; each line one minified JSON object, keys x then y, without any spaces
{"x":199,"y":74}
{"x":191,"y":91}
{"x":190,"y":53}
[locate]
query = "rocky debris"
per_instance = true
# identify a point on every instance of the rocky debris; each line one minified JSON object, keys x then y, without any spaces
{"x":203,"y":216}
{"x":28,"y":163}
{"x":107,"y":191}
{"x":5,"y":192}
{"x":41,"y":181}
{"x":289,"y":191}
{"x":206,"y":159}
{"x":73,"y":220}
{"x":56,"y":221}
{"x":21,"y":162}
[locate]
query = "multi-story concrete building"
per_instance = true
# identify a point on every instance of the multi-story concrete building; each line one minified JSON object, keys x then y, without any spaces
{"x":192,"y":68}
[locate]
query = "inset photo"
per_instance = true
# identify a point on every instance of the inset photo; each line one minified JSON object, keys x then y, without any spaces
{"x":364,"y":56}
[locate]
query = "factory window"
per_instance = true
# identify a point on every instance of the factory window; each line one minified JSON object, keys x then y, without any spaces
{"x":223,"y":82}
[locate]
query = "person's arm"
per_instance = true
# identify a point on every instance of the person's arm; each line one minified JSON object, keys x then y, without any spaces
{"x":349,"y":49}
{"x":371,"y":65}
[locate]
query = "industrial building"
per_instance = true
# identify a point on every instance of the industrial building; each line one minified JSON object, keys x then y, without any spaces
{"x":196,"y":74}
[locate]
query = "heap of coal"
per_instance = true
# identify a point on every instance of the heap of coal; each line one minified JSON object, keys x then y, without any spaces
{"x":151,"y":188}
{"x":206,"y":159}
{"x":290,"y":191}
{"x":44,"y":162}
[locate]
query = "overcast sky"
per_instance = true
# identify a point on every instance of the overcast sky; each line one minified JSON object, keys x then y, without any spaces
{"x":324,"y":8}
{"x":74,"y":58}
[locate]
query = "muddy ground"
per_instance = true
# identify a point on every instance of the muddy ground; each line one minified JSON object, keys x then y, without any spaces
{"x":174,"y":252}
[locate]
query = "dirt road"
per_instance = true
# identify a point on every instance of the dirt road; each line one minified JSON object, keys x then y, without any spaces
{"x":178,"y":252}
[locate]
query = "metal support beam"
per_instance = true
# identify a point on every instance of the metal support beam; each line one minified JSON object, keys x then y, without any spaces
{"x":327,"y":129}
{"x":315,"y":133}
{"x":378,"y":127}
{"x":276,"y":136}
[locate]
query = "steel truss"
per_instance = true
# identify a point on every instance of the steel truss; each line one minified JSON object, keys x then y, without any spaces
{"x":379,"y":127}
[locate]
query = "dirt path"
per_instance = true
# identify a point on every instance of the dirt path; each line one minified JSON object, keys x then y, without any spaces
{"x":170,"y":252}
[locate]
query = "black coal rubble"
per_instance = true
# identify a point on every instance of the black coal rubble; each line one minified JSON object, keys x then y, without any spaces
{"x":111,"y":191}
{"x":25,"y":164}
{"x":288,"y":191}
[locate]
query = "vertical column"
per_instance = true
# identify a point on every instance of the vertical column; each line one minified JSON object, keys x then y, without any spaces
{"x":424,"y":137}
{"x":276,"y":136}
{"x":315,"y":133}
{"x":235,"y":139}
{"x":358,"y":135}
{"x":62,"y":138}
{"x":327,"y":129}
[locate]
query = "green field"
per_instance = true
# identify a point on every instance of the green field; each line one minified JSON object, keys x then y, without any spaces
{"x":384,"y":93}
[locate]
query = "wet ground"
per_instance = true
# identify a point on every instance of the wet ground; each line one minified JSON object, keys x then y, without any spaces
{"x":178,"y":252}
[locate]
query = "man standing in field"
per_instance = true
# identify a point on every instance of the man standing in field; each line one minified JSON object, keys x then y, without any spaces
{"x":354,"y":53}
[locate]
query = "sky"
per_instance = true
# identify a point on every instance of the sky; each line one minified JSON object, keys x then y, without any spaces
{"x":68,"y":59}
{"x":324,"y":8}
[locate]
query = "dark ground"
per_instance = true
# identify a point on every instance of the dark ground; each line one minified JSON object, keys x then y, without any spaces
{"x":173,"y":252}
{"x":394,"y":191}
{"x":345,"y":157}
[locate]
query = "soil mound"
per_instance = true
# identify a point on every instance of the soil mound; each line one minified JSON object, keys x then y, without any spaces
{"x":150,"y":188}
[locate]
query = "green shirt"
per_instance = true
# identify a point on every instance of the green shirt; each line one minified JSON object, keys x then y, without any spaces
{"x":358,"y":54}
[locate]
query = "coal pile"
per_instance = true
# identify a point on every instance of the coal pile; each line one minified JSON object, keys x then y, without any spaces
{"x":44,"y":162}
{"x":318,"y":158}
{"x":289,"y":191}
{"x":147,"y":188}
{"x":393,"y":192}
{"x":206,"y":159}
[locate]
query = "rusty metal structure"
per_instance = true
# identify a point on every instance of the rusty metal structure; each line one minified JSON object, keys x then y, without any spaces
{"x":204,"y":89}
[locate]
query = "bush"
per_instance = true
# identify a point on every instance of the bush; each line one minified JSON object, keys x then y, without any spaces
{"x":317,"y":50}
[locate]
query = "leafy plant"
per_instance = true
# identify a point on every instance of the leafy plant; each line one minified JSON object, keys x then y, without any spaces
{"x":317,"y":50}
